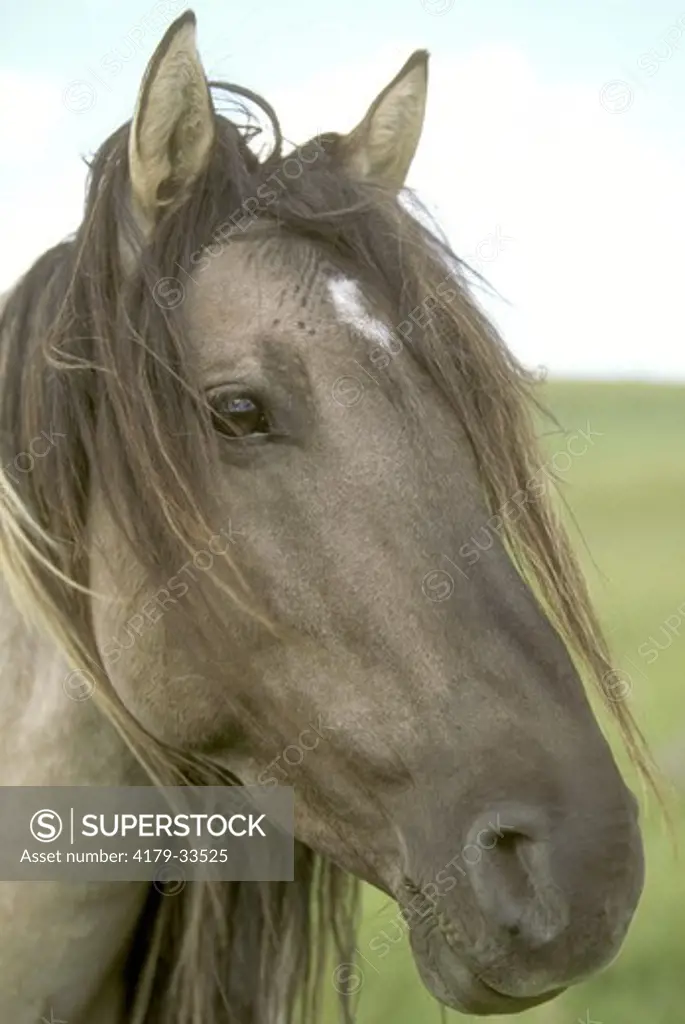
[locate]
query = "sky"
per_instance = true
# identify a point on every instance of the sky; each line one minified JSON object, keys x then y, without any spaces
{"x":553,"y":153}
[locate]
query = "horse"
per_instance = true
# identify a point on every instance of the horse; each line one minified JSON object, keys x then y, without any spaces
{"x":266,"y":355}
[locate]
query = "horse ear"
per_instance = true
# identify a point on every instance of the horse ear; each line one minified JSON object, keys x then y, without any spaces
{"x":173,"y":126}
{"x":382,"y":146}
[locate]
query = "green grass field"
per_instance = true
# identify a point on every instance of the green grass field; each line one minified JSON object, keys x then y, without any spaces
{"x":627,"y":494}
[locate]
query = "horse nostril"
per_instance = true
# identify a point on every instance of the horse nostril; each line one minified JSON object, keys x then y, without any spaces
{"x":512,"y":879}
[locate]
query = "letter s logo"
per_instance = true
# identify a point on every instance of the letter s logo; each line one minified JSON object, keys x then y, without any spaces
{"x":46,"y":826}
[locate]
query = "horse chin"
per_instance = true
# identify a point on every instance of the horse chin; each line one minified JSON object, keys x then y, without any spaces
{"x":454,"y":984}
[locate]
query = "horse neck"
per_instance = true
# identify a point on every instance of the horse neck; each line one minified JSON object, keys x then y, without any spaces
{"x":46,"y":736}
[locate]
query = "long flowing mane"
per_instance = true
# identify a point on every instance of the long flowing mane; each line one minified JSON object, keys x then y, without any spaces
{"x":87,"y":352}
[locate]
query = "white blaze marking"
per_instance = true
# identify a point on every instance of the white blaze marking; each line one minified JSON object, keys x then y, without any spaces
{"x":348,"y":301}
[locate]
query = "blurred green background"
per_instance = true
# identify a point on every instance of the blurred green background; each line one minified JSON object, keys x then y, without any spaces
{"x":627,"y":494}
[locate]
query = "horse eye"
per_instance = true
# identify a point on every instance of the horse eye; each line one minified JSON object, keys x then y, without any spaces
{"x":238,"y":415}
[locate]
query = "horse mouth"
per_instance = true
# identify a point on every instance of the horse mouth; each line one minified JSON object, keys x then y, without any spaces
{"x":452,"y":982}
{"x":483,"y":1000}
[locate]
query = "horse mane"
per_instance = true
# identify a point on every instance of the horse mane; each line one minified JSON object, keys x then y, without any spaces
{"x":87,"y":352}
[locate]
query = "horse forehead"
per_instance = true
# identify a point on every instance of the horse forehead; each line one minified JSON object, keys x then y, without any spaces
{"x":282,"y":286}
{"x":261,"y":276}
{"x":353,"y":309}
